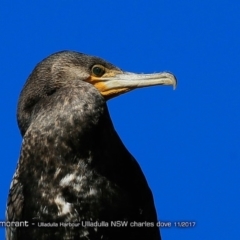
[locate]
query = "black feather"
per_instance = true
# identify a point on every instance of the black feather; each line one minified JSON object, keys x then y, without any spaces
{"x":73,"y":166}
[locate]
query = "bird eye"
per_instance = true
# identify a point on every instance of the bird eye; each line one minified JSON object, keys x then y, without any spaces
{"x":98,"y":70}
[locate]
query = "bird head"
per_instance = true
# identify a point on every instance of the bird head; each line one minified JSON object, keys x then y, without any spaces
{"x":71,"y":69}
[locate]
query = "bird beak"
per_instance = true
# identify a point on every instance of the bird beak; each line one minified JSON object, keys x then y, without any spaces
{"x":115,"y":83}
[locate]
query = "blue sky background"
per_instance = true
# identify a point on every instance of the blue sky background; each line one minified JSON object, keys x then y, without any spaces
{"x":186,"y":141}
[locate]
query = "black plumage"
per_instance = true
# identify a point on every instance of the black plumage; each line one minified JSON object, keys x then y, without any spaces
{"x":73,"y":167}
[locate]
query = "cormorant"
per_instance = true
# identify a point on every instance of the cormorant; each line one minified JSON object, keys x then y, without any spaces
{"x":74,"y":174}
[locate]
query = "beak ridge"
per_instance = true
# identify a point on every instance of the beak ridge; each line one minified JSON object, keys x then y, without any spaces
{"x":133,"y":80}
